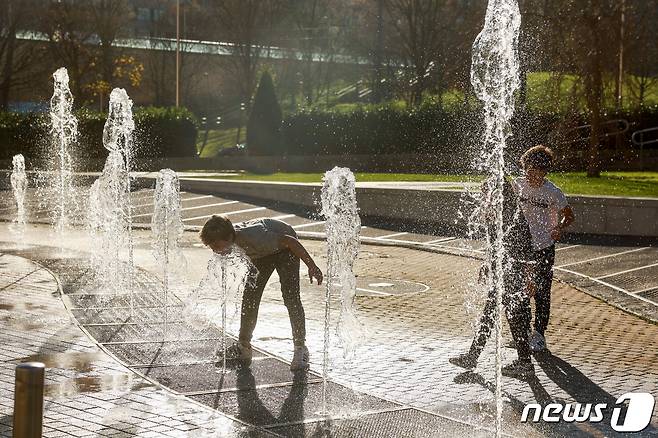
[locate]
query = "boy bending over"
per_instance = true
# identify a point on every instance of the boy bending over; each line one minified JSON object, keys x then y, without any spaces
{"x":270,"y":244}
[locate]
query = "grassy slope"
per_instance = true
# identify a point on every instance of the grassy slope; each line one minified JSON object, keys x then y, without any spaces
{"x":217,"y":139}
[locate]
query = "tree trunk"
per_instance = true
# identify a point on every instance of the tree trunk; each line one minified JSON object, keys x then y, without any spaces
{"x":594,"y":103}
{"x":378,"y":95}
{"x":7,"y":70}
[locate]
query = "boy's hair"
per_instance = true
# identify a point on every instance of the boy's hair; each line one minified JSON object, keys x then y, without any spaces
{"x":217,"y":228}
{"x":539,"y":157}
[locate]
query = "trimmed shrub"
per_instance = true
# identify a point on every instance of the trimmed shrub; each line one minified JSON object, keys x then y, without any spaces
{"x":159,"y":132}
{"x":434,"y":129}
{"x":264,"y":126}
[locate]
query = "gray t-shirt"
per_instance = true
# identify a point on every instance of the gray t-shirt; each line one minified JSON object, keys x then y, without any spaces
{"x":260,"y":237}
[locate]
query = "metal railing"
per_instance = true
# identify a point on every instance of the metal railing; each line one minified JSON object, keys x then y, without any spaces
{"x":638,"y":137}
{"x":638,"y":140}
{"x":623,"y":123}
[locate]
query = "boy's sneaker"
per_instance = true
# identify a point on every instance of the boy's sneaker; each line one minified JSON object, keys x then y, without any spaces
{"x":537,"y":342}
{"x":239,"y":352}
{"x":466,"y":360}
{"x":519,"y":369}
{"x":299,"y":359}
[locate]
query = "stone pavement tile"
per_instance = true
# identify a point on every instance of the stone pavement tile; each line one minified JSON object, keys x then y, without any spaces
{"x":87,"y":392}
{"x":594,"y":346}
{"x":597,"y":350}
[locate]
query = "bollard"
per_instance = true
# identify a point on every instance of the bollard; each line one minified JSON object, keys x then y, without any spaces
{"x":28,"y":400}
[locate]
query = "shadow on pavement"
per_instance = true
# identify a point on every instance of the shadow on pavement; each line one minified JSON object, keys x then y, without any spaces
{"x":6,"y":423}
{"x":583,"y":390}
{"x":251,"y":408}
{"x":542,"y":397}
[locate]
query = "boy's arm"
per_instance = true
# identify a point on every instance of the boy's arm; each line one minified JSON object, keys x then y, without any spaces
{"x":566,"y":218}
{"x":298,"y":249}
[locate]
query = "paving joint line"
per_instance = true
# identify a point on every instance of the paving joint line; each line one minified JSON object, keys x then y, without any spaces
{"x":314,"y":381}
{"x":626,"y":271}
{"x":603,"y":257}
{"x":340,"y":417}
{"x":604,"y":283}
{"x":229,"y":213}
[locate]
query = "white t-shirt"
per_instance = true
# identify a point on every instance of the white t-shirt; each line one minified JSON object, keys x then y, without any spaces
{"x":541,"y":207}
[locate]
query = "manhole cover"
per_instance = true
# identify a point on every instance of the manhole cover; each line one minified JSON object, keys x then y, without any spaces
{"x":378,"y":287}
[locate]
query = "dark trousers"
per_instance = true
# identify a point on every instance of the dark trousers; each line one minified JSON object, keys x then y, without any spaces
{"x":287,"y":266}
{"x":543,"y":276}
{"x":517,"y":311}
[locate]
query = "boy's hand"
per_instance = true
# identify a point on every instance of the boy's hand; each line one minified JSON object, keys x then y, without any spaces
{"x":531,"y":288}
{"x":482,"y":275}
{"x":315,"y":272}
{"x":556,"y":234}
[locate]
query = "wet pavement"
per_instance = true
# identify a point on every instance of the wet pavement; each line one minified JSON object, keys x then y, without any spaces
{"x":413,"y":290}
{"x":87,"y":391}
{"x":619,"y":271}
{"x":266,"y":395}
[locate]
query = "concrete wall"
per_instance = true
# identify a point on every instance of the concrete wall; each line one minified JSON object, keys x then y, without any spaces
{"x":404,"y":163}
{"x":618,"y":216}
{"x":594,"y":215}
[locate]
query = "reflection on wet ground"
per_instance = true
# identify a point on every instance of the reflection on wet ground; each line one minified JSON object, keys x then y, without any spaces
{"x":78,"y":385}
{"x":78,"y":361}
{"x":87,"y":393}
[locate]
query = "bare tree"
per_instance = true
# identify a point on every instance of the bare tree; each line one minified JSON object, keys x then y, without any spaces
{"x":109,"y":18}
{"x":160,"y":59}
{"x":17,"y":58}
{"x":641,"y":53}
{"x":241,"y":22}
{"x":421,"y":27}
{"x":581,"y":42}
{"x":69,"y":29}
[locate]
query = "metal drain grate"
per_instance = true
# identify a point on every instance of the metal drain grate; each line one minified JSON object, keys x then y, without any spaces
{"x":405,"y":423}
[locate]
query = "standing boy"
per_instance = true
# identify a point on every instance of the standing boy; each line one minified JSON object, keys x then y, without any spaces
{"x":516,"y":303}
{"x":548,"y":213}
{"x":270,"y":244}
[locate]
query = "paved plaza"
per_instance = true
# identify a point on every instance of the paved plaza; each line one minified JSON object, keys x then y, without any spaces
{"x":110,"y":374}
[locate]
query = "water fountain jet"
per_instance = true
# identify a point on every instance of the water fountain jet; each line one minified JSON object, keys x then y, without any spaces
{"x":343,"y":227}
{"x":495,"y":79}
{"x":64,"y":131}
{"x":110,"y":207}
{"x":19,"y":184}
{"x":229,"y":274}
{"x":167,"y":229}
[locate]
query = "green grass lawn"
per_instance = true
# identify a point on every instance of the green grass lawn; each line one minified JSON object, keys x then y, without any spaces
{"x":217,"y":140}
{"x":642,"y":184}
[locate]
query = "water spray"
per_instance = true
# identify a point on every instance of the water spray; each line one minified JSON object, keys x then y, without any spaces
{"x":64,"y":132}
{"x":19,"y":184}
{"x":495,"y":79}
{"x":167,"y":229}
{"x":343,"y":227}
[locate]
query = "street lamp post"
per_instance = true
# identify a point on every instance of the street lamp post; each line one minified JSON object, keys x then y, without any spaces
{"x":177,"y":53}
{"x":620,"y":77}
{"x":243,"y":107}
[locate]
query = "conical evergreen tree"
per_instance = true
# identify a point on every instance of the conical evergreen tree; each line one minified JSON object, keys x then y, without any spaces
{"x":264,"y":126}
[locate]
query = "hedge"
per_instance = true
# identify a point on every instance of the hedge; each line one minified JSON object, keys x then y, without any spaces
{"x":433,"y":129}
{"x":159,"y":132}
